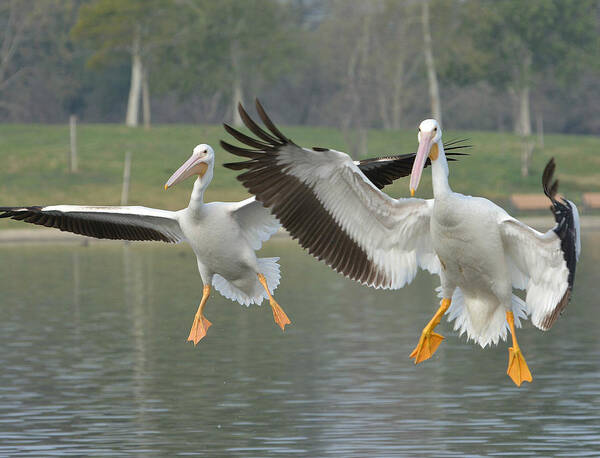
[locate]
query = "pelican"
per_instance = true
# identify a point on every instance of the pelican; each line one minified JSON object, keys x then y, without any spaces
{"x":223,"y":235}
{"x":478,"y":250}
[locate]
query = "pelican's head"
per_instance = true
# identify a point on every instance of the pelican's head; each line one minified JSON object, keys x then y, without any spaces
{"x":201,"y":161}
{"x":430,"y":138}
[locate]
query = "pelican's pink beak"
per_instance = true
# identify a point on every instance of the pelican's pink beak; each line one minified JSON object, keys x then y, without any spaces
{"x":195,"y":165}
{"x":425,"y":143}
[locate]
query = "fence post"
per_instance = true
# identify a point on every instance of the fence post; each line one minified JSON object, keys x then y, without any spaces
{"x":73,"y":153}
{"x":126,"y":178}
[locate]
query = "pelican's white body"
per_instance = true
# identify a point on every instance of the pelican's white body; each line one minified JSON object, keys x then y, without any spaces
{"x":224,"y":237}
{"x":473,"y":239}
{"x":466,"y":238}
{"x":225,"y":255}
{"x":218,"y":251}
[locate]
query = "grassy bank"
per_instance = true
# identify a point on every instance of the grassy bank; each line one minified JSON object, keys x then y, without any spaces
{"x":33,"y":163}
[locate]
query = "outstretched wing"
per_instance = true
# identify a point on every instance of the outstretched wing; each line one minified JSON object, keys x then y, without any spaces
{"x":546,"y":262}
{"x":257,"y":222}
{"x":118,"y":223}
{"x":323,"y":199}
{"x":382,"y":171}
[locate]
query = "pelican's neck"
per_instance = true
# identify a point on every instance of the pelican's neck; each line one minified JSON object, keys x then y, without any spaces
{"x":439,"y":173}
{"x":200,"y":185}
{"x":197,"y":197}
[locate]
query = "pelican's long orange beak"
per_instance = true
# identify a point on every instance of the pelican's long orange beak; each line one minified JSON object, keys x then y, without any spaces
{"x":425,"y":143}
{"x":195,"y":165}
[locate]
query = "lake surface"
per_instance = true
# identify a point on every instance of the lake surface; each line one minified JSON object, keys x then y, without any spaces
{"x":94,"y":361}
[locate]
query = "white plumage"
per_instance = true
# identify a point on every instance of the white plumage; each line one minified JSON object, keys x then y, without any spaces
{"x":479,"y":251}
{"x":223,"y":235}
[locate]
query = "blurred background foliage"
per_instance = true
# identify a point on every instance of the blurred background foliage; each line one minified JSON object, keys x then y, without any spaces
{"x":505,"y":65}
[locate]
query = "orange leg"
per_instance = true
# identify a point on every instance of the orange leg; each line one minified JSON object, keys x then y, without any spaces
{"x":429,"y":340}
{"x":517,"y":367}
{"x":278,"y":314}
{"x":201,"y":324}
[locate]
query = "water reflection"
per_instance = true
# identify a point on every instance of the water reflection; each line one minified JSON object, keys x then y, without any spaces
{"x":95,"y":361}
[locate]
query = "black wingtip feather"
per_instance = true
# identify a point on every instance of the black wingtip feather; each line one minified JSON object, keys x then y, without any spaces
{"x":458,"y":143}
{"x":550,"y":189}
{"x":567,"y":231}
{"x":238,"y":165}
{"x":239,"y":151}
{"x":267,"y":121}
{"x":255,"y":128}
{"x":244,"y":138}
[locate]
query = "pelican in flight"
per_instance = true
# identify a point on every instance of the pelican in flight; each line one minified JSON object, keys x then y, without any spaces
{"x":478,"y":250}
{"x":223,"y":235}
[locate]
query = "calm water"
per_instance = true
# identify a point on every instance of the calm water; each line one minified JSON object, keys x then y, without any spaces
{"x":94,"y":360}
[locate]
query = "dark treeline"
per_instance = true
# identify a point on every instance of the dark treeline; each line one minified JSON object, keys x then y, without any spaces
{"x":354,"y":64}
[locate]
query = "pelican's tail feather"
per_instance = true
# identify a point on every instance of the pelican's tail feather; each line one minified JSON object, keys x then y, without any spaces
{"x":253,"y":293}
{"x":465,"y":312}
{"x":270,"y":269}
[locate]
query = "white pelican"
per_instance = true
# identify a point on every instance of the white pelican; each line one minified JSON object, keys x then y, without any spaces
{"x":223,"y":235}
{"x":478,"y":250}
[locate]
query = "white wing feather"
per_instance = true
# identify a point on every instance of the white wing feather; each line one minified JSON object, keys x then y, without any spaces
{"x":540,"y":263}
{"x":256,"y":222}
{"x":393,"y":232}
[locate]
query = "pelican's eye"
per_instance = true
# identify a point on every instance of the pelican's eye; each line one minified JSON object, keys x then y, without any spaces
{"x":435,"y":130}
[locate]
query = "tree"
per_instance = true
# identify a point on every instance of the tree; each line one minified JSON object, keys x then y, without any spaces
{"x":518,"y":41}
{"x":18,"y":23}
{"x":137,"y":28}
{"x":369,"y":66}
{"x":434,"y":91}
{"x":234,"y":46}
{"x":395,"y":61}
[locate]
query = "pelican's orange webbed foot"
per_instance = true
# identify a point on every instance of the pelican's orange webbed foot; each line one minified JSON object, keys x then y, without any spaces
{"x":429,"y":340}
{"x":281,"y":319}
{"x":279,"y":315}
{"x":201,"y":324}
{"x":517,"y":367}
{"x":428,"y":344}
{"x":199,"y":328}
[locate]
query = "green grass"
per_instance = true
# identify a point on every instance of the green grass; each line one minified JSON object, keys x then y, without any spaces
{"x":33,"y":163}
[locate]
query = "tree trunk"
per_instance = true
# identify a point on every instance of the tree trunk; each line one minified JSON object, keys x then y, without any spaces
{"x":382,"y":103}
{"x":133,"y":104}
{"x":397,"y":95}
{"x":524,"y":112}
{"x":514,"y":105}
{"x":524,"y":120}
{"x":363,"y":141}
{"x":145,"y":98}
{"x":523,"y":94}
{"x":540,"y":129}
{"x":238,"y":94}
{"x":213,"y":105}
{"x":526,"y":155}
{"x":434,"y":91}
{"x":357,"y":73}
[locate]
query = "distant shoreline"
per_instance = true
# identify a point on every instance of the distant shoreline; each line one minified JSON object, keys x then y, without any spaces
{"x":50,"y":235}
